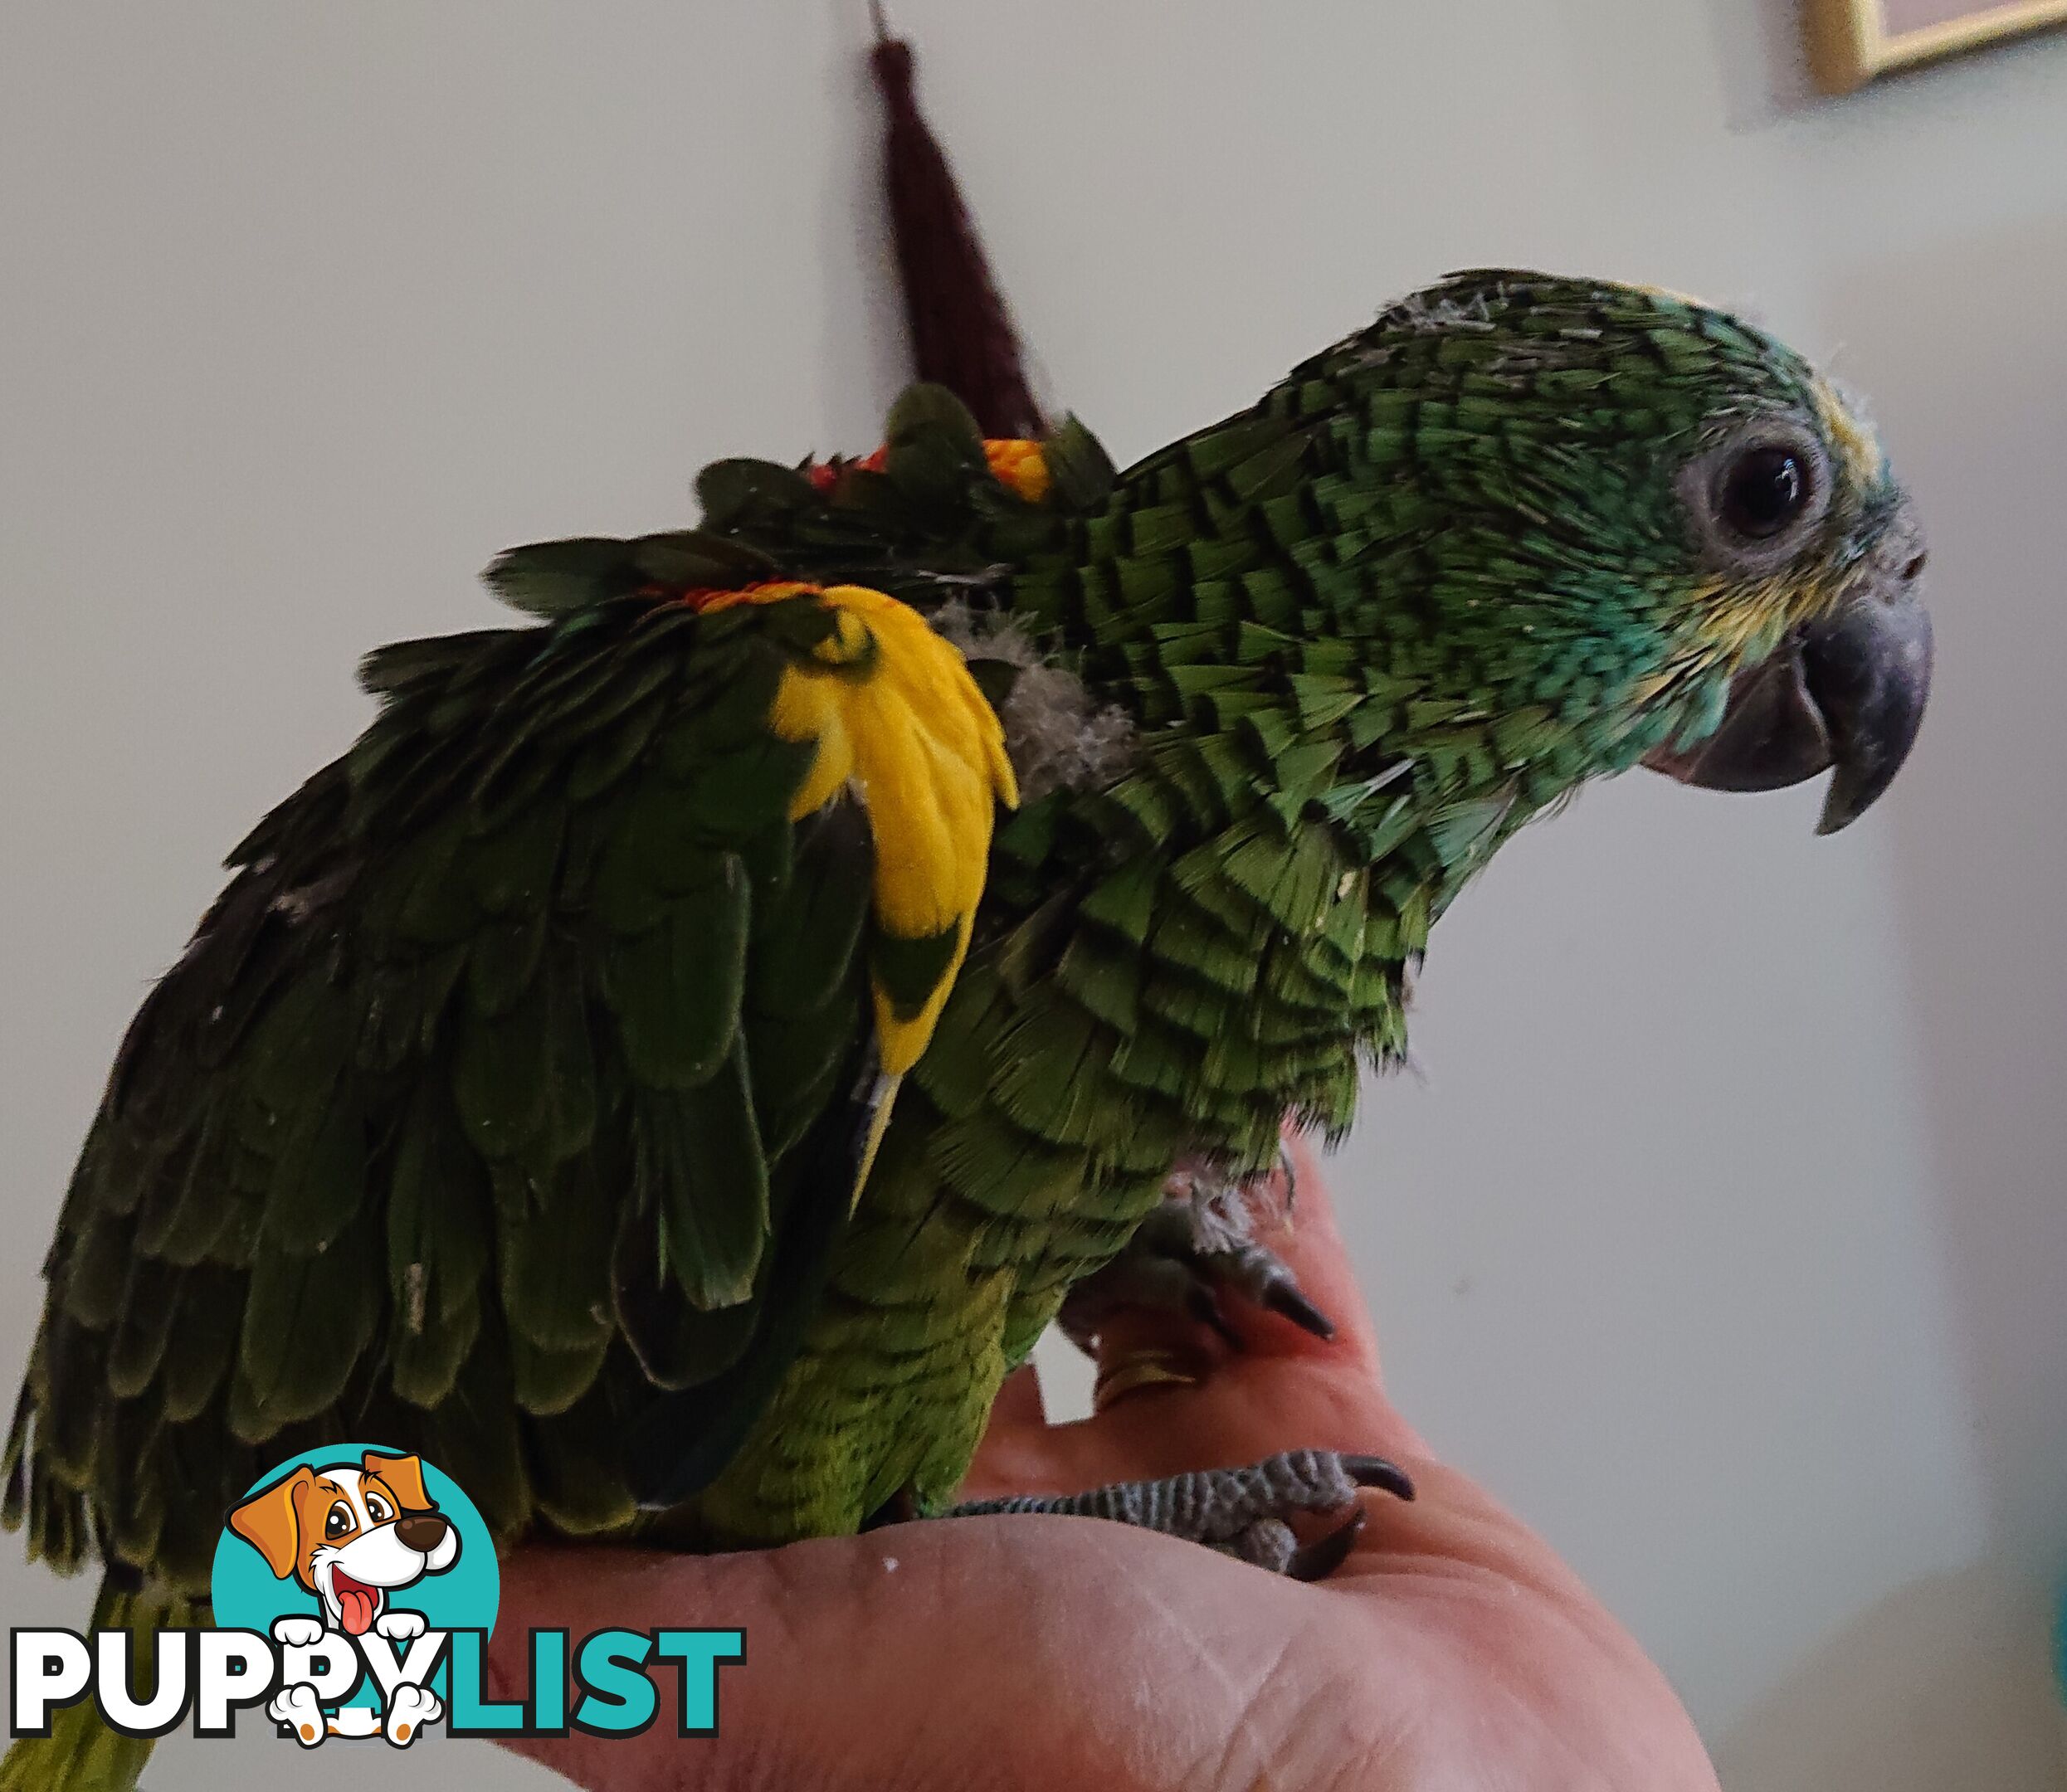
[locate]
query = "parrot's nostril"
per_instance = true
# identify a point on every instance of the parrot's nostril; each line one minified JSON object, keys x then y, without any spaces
{"x":1915,"y":565}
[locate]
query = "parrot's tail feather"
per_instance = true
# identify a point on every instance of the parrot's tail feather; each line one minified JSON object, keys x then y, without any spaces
{"x":14,"y":1464}
{"x":81,"y":1754}
{"x":51,"y":1512}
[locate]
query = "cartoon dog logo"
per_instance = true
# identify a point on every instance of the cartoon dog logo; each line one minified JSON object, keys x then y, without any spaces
{"x":351,"y":1533}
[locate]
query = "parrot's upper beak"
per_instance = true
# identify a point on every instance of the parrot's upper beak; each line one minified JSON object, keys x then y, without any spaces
{"x":1846,"y":690}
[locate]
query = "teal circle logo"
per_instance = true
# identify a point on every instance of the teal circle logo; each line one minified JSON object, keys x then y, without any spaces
{"x":360,"y":1558}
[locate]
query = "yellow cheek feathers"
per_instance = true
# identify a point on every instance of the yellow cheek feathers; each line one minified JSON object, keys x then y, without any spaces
{"x":1857,"y":449}
{"x":1743,"y":624}
{"x":897,"y":719}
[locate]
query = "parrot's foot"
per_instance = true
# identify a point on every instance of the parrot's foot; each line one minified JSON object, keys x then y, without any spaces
{"x":1240,"y":1512}
{"x":1191,"y":1257}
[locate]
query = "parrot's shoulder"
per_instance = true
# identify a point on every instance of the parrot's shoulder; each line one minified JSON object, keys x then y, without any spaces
{"x":933,"y":508}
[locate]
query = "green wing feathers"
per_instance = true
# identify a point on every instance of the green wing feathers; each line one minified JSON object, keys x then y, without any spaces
{"x":508,"y":1102}
{"x":478,"y":1106}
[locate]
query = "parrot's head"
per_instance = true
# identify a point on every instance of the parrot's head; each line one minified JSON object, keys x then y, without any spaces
{"x":1637,"y":530}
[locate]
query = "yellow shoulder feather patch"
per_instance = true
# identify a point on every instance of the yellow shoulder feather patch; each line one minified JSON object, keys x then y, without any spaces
{"x":898,"y":720}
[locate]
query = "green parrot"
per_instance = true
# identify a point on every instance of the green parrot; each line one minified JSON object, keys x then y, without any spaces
{"x":675,"y":1064}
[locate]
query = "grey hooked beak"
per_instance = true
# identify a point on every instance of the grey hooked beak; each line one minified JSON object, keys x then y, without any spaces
{"x":1845,"y":691}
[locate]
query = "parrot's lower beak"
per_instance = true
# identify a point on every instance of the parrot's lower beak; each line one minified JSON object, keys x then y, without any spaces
{"x":1846,"y":691}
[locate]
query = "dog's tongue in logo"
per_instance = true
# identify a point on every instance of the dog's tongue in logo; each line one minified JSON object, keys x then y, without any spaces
{"x":358,"y":1603}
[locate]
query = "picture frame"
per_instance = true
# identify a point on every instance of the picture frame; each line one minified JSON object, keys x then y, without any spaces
{"x":1855,"y":41}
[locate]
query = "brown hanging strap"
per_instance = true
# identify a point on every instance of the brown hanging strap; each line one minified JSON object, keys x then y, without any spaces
{"x":961,"y":335}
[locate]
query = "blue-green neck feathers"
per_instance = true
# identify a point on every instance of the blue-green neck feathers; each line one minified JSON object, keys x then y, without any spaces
{"x":1455,"y":566}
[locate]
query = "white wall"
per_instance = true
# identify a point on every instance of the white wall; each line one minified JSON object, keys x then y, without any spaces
{"x":1723,"y":1235}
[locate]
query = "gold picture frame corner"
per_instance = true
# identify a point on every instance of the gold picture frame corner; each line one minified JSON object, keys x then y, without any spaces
{"x":1846,"y":46}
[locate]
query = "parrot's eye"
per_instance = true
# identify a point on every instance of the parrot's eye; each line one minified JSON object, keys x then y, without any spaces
{"x":1764,"y":489}
{"x":1757,"y":495}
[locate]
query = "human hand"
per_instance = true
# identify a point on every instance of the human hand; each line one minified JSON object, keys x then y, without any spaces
{"x":1451,"y":1651}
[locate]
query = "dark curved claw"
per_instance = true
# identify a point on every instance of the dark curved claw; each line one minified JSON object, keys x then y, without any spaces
{"x":1282,"y":1299}
{"x":1375,"y":1471}
{"x":1324,"y":1556}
